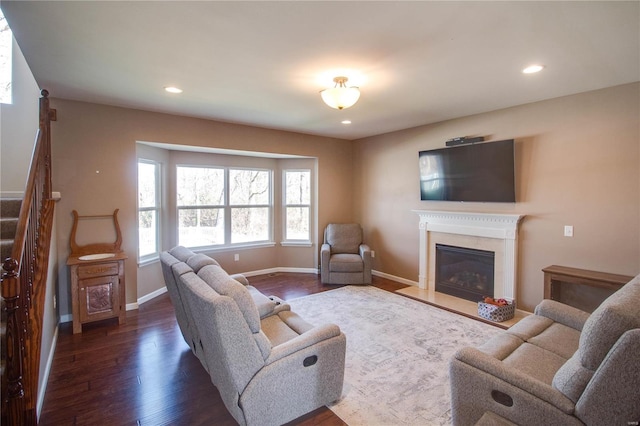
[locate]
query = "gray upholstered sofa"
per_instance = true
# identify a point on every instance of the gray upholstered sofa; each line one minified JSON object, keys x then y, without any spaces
{"x":269,"y":365}
{"x":344,"y":258}
{"x":560,"y":366}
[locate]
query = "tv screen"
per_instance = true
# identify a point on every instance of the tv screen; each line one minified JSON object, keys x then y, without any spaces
{"x":481,"y":172}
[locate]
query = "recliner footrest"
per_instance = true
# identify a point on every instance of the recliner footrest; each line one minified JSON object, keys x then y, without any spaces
{"x":492,"y":419}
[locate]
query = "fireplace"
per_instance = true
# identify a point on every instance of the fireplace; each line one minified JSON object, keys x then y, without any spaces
{"x":497,"y":233}
{"x":464,"y":272}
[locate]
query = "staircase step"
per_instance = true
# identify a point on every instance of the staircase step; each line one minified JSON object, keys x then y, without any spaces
{"x":8,"y":228}
{"x":10,"y":207}
{"x":5,"y":249}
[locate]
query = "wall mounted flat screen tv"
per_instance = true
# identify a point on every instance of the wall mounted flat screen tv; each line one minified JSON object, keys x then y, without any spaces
{"x":483,"y":172}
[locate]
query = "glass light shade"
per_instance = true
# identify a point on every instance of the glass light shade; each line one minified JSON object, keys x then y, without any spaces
{"x":340,"y":97}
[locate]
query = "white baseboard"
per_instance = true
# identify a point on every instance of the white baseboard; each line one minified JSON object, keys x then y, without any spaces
{"x":131,"y":306}
{"x":150,"y":296}
{"x":394,"y":278}
{"x":66,"y":318}
{"x":47,"y":370}
{"x":281,"y":269}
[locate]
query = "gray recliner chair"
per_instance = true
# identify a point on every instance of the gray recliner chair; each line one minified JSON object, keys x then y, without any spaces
{"x":344,"y":258}
{"x":560,"y":366}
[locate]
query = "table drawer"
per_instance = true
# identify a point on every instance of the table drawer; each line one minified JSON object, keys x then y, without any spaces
{"x":97,"y":270}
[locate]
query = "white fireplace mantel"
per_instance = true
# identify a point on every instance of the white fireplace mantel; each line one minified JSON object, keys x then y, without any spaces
{"x":498,"y":230}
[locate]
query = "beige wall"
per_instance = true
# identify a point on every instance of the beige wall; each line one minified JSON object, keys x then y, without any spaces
{"x":90,"y":138}
{"x":578,"y":163}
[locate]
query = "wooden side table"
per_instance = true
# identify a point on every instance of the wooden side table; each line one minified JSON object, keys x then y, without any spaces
{"x":97,"y":289}
{"x":580,"y":288}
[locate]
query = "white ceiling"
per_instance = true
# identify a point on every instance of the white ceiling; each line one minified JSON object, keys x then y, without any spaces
{"x":263,"y":63}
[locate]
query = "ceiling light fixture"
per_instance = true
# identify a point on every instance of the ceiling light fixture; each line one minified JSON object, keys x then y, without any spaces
{"x":172,"y":89}
{"x":531,"y":69}
{"x":346,"y":121}
{"x":340,"y":96}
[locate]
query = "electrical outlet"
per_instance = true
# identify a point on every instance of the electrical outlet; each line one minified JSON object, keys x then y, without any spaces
{"x":55,"y":303}
{"x":373,"y":253}
{"x":568,"y":231}
{"x":236,"y":257}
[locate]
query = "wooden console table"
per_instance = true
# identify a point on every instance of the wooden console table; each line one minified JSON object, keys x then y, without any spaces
{"x":567,"y":285}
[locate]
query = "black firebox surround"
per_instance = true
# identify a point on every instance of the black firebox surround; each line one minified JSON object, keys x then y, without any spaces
{"x":464,"y":272}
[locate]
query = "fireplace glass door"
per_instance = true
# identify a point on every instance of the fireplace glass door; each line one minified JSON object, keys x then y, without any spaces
{"x":464,"y":272}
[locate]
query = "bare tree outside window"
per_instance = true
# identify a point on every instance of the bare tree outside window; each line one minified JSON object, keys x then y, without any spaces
{"x":250,"y":199}
{"x":208,"y":197}
{"x":200,"y":200}
{"x":297,"y":204}
{"x":148,"y":208}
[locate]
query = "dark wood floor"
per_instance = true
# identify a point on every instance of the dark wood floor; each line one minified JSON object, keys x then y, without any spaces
{"x":143,"y":373}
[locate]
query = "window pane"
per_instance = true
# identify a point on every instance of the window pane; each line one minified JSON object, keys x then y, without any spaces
{"x":247,"y":187}
{"x":198,"y":186}
{"x":297,"y":226}
{"x":147,"y":234}
{"x":147,"y":184}
{"x":200,"y":227}
{"x":249,"y":224}
{"x":298,"y":187}
{"x":6,"y":40}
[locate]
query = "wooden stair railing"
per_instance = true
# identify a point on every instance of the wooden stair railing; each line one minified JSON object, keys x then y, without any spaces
{"x":24,"y":282}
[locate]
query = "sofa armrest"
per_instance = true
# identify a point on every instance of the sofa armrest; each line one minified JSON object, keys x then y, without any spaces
{"x":563,"y":314}
{"x":305,"y":340}
{"x":325,"y":255}
{"x":365,"y":253}
{"x":498,"y":370}
{"x":240,"y":278}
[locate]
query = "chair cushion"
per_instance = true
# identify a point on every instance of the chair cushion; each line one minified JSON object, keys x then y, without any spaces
{"x":223,"y":284}
{"x":536,"y":362}
{"x":572,"y":378}
{"x":277,"y":331}
{"x":181,"y":253}
{"x":343,"y":237}
{"x":346,"y":263}
{"x":559,"y":339}
{"x":197,"y":261}
{"x":619,"y":313}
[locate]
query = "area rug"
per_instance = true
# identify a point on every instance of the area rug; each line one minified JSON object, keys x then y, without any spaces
{"x":398,"y":350}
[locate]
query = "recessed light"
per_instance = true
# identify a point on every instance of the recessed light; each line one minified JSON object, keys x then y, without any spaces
{"x":172,"y":89}
{"x":532,"y":69}
{"x":346,"y":121}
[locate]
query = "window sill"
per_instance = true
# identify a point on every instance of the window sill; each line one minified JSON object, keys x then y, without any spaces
{"x":146,"y":262}
{"x":296,"y":244}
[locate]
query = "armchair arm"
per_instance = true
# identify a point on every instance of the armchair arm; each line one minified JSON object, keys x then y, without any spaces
{"x":309,"y":338}
{"x":498,"y":370}
{"x":365,"y":253}
{"x":325,"y":255}
{"x":563,"y":314}
{"x":240,"y":278}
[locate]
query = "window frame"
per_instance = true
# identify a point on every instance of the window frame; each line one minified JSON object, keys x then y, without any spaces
{"x":147,"y":258}
{"x":285,"y":205}
{"x":269,"y":207}
{"x":227,"y":208}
